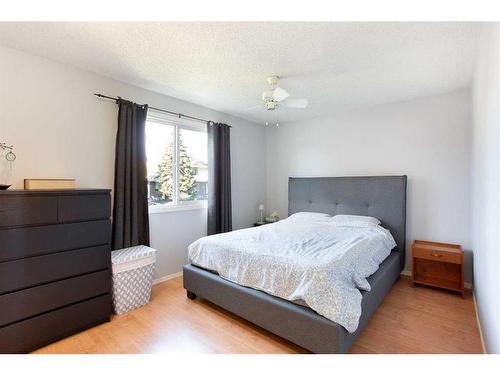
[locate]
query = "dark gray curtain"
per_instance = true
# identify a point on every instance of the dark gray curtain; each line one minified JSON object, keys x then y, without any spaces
{"x":130,"y":209}
{"x":219,"y":178}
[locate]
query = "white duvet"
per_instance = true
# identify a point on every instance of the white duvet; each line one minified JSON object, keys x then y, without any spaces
{"x":316,"y":260}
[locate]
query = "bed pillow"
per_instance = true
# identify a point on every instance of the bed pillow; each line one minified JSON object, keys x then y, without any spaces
{"x":355,"y":219}
{"x":309,"y":216}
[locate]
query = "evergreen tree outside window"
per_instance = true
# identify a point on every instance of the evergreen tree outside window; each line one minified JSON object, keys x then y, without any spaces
{"x":164,"y":177}
{"x":177,"y":162}
{"x":187,"y":182}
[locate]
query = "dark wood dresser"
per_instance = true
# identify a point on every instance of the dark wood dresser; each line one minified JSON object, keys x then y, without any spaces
{"x":55,"y":265}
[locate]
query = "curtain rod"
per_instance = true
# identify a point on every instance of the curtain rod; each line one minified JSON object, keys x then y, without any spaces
{"x":179,"y":115}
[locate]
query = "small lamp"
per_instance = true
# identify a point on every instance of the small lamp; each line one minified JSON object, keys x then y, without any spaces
{"x":261,"y":209}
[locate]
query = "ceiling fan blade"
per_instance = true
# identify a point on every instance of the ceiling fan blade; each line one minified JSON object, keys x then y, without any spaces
{"x":295,"y":103}
{"x":280,"y":94}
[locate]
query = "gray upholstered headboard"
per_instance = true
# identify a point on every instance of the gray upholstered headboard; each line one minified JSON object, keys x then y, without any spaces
{"x":383,"y":197}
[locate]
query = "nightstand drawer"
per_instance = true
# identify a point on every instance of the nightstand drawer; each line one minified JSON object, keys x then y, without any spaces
{"x":441,"y":256}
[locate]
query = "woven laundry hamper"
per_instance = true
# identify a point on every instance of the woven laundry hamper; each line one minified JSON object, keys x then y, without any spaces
{"x":133,"y":270}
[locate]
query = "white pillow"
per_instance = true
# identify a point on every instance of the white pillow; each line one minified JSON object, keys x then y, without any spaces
{"x":350,"y":219}
{"x":309,"y":216}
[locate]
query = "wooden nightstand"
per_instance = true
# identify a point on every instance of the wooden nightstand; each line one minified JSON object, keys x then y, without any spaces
{"x":438,"y":264}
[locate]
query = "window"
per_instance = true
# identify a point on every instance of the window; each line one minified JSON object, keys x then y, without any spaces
{"x":176,"y":151}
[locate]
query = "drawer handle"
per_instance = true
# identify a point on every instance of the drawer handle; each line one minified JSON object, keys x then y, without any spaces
{"x":436,"y":255}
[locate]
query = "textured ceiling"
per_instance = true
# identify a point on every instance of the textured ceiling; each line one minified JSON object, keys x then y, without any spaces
{"x":337,"y":66}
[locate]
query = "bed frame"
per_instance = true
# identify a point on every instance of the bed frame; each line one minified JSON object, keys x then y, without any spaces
{"x":383,"y":197}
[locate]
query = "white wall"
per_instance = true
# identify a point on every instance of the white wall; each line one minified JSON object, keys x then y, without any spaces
{"x":486,"y":186}
{"x":59,"y":129}
{"x":427,"y":139}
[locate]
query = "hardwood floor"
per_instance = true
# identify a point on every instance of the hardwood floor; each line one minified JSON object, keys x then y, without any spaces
{"x":410,"y":320}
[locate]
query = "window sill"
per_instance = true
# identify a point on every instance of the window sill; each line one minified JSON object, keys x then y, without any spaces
{"x":180,"y":207}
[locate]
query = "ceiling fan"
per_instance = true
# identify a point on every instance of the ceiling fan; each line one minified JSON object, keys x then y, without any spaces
{"x":279,"y":97}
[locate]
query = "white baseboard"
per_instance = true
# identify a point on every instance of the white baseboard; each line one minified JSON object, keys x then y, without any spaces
{"x":408,"y":273}
{"x":479,"y":323}
{"x":168,"y":277}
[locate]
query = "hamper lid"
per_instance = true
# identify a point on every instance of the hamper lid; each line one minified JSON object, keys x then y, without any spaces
{"x":131,"y":254}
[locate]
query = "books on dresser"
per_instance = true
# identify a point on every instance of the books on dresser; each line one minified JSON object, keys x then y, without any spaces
{"x":49,"y":183}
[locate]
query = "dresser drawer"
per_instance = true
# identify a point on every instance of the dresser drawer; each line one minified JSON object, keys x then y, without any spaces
{"x":84,"y":207}
{"x":41,"y":330}
{"x":26,"y":303}
{"x":442,"y":256}
{"x":27,"y":210}
{"x":25,"y":242}
{"x":28,"y":272}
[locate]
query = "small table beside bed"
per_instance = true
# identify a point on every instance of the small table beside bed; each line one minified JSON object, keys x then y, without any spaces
{"x":317,"y":277}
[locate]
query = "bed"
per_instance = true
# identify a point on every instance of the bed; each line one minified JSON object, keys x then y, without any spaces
{"x":383,"y":197}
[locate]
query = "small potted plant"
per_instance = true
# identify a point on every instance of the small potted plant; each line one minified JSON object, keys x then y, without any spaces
{"x":274,"y":217}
